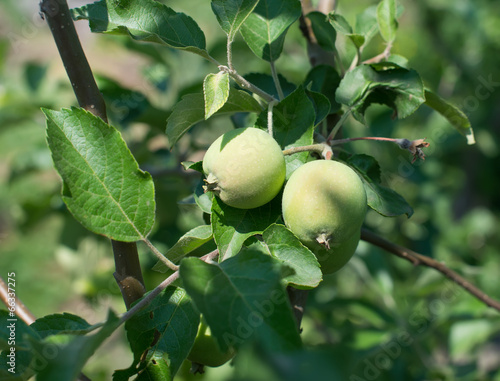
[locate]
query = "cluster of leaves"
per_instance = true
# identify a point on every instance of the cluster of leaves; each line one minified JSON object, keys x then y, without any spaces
{"x":107,"y":192}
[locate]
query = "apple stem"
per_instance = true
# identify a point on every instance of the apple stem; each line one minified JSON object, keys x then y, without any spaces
{"x":339,"y":124}
{"x":318,"y":148}
{"x":276,"y":81}
{"x":270,"y":117}
{"x":230,"y":53}
{"x":160,"y":256}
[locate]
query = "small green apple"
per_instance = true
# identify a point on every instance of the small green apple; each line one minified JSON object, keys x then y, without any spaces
{"x":245,"y":168}
{"x":324,"y":204}
{"x":206,"y":351}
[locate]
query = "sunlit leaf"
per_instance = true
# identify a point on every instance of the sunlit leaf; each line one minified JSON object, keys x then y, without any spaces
{"x":387,"y":19}
{"x":144,"y":20}
{"x":191,"y":110}
{"x":283,"y":245}
{"x":189,"y":242}
{"x":103,"y":186}
{"x":231,"y":14}
{"x":216,"y":92}
{"x":265,"y":29}
{"x":232,"y":226}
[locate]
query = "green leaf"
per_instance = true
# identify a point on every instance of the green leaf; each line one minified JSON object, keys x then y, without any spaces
{"x":366,"y":23}
{"x":342,"y":26}
{"x":191,"y":110}
{"x":189,"y":242}
{"x":59,"y":324}
{"x":25,"y":358}
{"x":195,"y":166}
{"x":387,"y":19}
{"x":23,"y":330}
{"x":453,"y":114}
{"x":232,"y":13}
{"x":293,"y":126}
{"x":203,"y":199}
{"x":145,"y":20}
{"x":70,"y":352}
{"x":321,"y":106}
{"x":242,"y":300}
{"x":384,"y":83}
{"x":167,"y":326}
{"x":103,"y":186}
{"x":323,"y":31}
{"x":324,"y":79}
{"x":231,"y":226}
{"x":127,"y":104}
{"x":383,"y":200}
{"x":155,"y":370}
{"x":265,"y":29}
{"x":216,"y":92}
{"x":265,"y":82}
{"x":283,"y":245}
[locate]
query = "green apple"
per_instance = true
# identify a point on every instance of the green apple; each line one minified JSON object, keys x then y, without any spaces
{"x":324,"y":204}
{"x":206,"y":351}
{"x":245,"y":168}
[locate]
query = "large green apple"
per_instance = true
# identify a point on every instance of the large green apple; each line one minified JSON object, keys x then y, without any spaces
{"x":245,"y":168}
{"x":324,"y":204}
{"x":206,"y":351}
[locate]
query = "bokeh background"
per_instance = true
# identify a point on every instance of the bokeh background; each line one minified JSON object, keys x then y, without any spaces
{"x":388,"y":319}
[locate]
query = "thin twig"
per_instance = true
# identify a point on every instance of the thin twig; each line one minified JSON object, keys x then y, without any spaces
{"x":19,"y":308}
{"x":347,"y":140}
{"x":247,"y":85}
{"x":421,"y":260}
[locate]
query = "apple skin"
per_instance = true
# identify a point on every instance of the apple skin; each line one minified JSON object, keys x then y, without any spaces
{"x":206,"y":351}
{"x":324,"y":204}
{"x":337,"y":257}
{"x":245,"y":168}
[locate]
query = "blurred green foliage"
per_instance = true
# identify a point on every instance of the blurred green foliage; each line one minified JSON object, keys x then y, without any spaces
{"x":379,"y":318}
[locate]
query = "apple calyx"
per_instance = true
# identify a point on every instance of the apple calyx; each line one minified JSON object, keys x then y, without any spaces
{"x":212,"y":184}
{"x":324,"y":240}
